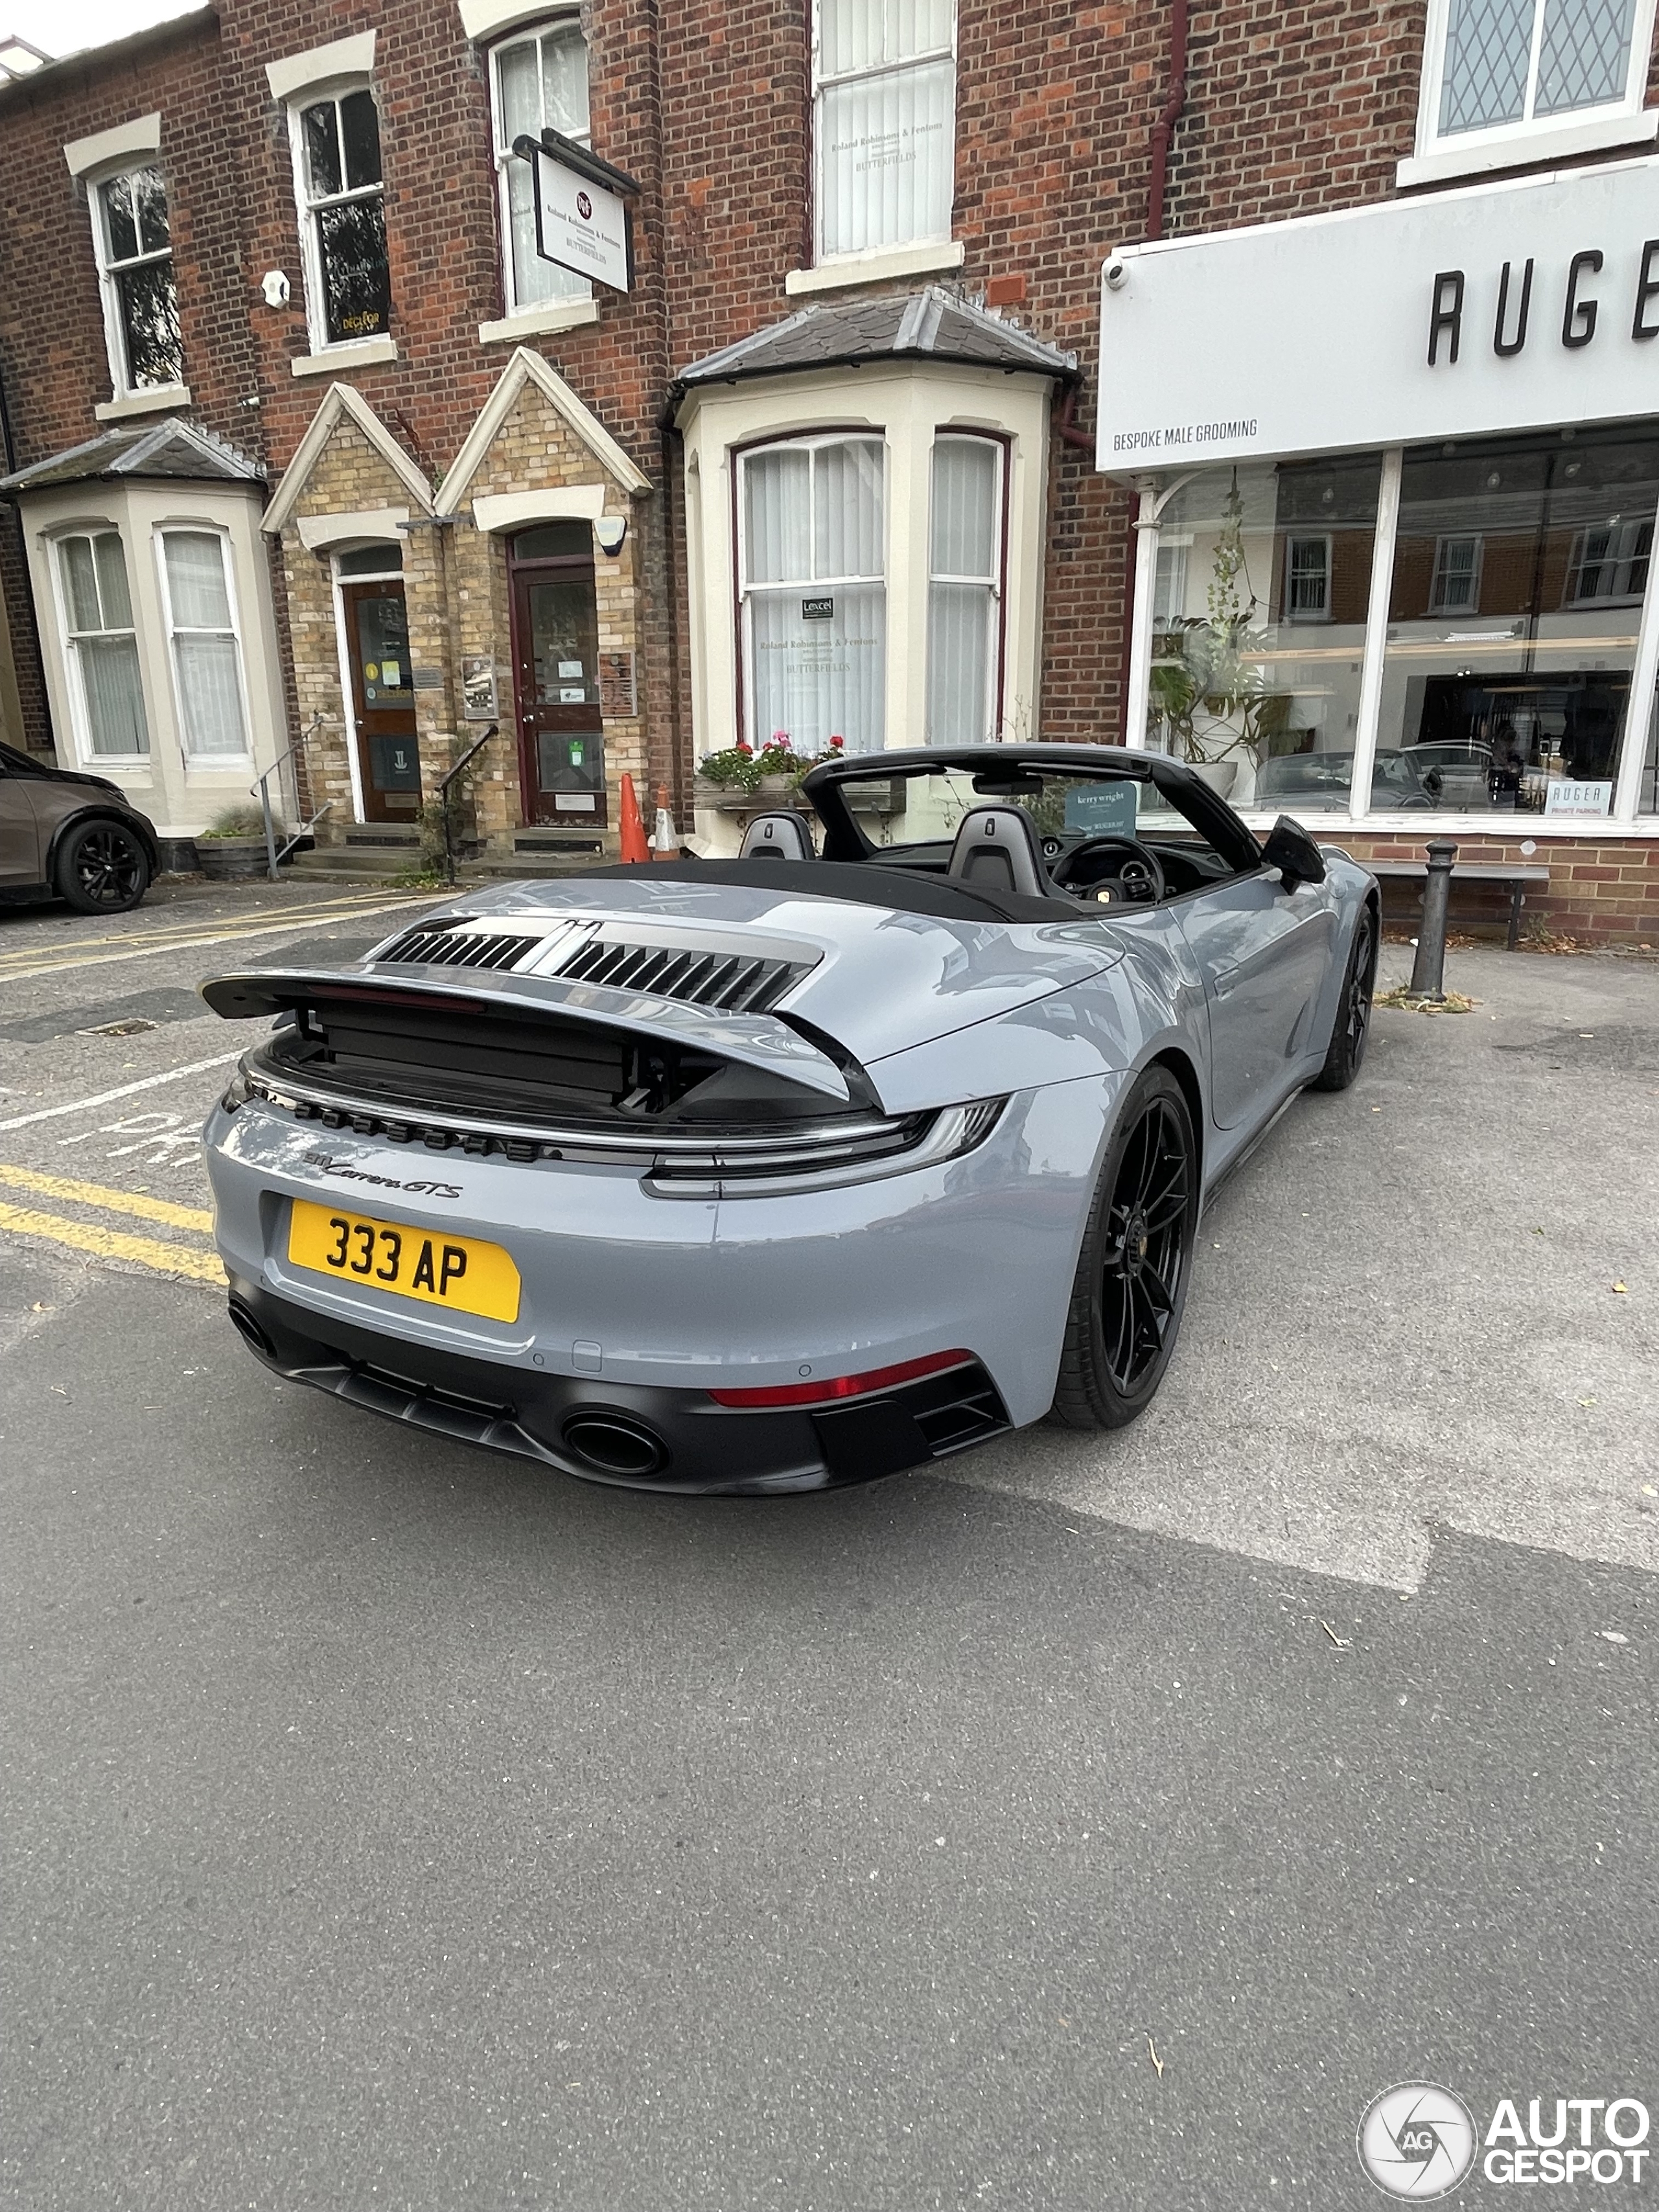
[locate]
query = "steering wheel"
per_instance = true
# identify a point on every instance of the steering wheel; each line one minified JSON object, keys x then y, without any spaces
{"x":1137,"y":879}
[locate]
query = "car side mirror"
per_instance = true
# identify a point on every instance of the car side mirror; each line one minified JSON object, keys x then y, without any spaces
{"x":1291,"y":850}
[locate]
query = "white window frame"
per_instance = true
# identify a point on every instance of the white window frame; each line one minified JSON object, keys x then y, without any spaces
{"x":1622,"y":121}
{"x":1438,"y":603}
{"x":306,"y":209}
{"x":1626,"y":532}
{"x":997,"y":581}
{"x":80,"y":713}
{"x":182,"y":526}
{"x":111,"y":268}
{"x":822,"y":83}
{"x":807,"y":442}
{"x":1294,"y":615}
{"x":573,"y":288}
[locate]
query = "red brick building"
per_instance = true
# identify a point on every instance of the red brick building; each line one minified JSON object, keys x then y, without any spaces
{"x":829,"y":463}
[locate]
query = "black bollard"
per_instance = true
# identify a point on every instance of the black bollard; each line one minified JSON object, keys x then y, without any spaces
{"x":1429,"y":969}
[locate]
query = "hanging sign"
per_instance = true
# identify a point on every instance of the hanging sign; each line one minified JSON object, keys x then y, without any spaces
{"x":583,"y":219}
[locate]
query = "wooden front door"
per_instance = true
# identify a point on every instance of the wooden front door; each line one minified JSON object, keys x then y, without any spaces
{"x":383,"y":699}
{"x":555,"y":676}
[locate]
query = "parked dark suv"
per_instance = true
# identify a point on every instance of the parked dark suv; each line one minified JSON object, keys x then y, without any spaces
{"x":75,"y":837}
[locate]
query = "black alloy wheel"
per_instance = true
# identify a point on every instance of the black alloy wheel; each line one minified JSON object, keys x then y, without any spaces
{"x":1131,"y":1275}
{"x":1353,"y":1025}
{"x":102,"y":868}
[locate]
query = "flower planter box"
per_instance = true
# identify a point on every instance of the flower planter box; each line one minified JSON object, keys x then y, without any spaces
{"x":232,"y":859}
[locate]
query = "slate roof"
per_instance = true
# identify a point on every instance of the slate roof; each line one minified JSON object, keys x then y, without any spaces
{"x":169,"y":448}
{"x":931,"y":325}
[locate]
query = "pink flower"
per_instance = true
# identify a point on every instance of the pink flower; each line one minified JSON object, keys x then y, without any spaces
{"x":780,"y":738}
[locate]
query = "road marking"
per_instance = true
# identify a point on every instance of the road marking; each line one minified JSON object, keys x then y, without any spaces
{"x":21,"y":966}
{"x":112,"y":1244}
{"x":125,"y":1091}
{"x":137,"y":1203}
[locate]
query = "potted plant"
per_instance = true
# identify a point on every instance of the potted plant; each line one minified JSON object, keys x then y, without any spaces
{"x":1208,"y":684}
{"x":232,"y":846}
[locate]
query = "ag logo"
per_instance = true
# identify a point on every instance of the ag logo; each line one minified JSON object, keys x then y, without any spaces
{"x":1417,"y":2141}
{"x":584,"y":207}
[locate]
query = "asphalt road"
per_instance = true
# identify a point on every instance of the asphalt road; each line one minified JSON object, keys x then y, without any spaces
{"x":387,"y":1824}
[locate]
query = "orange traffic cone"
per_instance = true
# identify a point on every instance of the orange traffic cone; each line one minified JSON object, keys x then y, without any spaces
{"x":665,"y":837}
{"x":634,"y":846}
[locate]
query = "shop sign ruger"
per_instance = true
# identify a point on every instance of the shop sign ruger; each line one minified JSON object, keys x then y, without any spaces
{"x":1503,"y":307}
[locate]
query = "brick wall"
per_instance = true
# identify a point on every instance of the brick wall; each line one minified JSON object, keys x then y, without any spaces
{"x":1599,"y":893}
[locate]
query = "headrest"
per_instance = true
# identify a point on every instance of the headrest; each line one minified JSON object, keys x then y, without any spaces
{"x":777,"y":837}
{"x":997,"y":846}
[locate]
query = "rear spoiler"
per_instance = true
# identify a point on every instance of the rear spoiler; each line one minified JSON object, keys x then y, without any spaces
{"x":766,"y":1041}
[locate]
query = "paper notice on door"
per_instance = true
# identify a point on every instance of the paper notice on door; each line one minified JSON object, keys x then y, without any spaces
{"x":572,"y":668}
{"x":392,"y":675}
{"x":572,"y":695}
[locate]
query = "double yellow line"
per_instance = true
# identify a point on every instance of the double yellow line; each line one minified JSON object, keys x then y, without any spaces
{"x":158,"y":1254}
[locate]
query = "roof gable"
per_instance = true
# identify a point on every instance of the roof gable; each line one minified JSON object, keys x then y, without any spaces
{"x":931,"y":324}
{"x":527,"y":367}
{"x":341,"y":399}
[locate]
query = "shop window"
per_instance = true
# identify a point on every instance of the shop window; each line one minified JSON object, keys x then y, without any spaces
{"x":207,"y":659}
{"x":1266,"y":706}
{"x":102,"y":646}
{"x":1610,"y":562}
{"x":883,"y":122}
{"x":965,"y":592}
{"x":336,"y":161}
{"x":134,"y":245}
{"x":812,"y":580}
{"x":1456,"y":588}
{"x":1307,"y":579}
{"x":1647,"y":797}
{"x":538,"y":82}
{"x":1506,"y":66}
{"x":1504,"y":711}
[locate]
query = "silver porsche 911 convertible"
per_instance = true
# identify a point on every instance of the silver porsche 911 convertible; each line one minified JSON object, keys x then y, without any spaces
{"x":768,"y":1174}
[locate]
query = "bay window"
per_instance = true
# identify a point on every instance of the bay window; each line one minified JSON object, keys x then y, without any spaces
{"x":883,"y":118}
{"x":341,"y":202}
{"x":134,"y":246}
{"x":964,"y":591}
{"x":812,"y":592}
{"x":205,"y":650}
{"x":538,"y":82}
{"x":102,"y":647}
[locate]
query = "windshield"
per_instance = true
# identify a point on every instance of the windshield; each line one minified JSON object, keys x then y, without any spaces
{"x":925,"y":807}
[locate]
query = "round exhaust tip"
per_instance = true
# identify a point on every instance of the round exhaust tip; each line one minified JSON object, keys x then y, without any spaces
{"x":249,"y":1331}
{"x":612,"y":1445}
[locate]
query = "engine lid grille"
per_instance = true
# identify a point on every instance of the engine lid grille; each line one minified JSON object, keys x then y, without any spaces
{"x":447,"y":944}
{"x":734,"y":982}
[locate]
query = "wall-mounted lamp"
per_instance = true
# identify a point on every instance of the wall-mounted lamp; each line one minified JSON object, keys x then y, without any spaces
{"x":276,"y":287}
{"x":609,"y":530}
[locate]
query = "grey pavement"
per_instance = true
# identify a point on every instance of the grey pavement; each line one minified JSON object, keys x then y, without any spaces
{"x":387,"y":1824}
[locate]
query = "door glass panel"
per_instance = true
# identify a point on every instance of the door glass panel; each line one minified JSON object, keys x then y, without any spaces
{"x":383,"y":651}
{"x":564,"y":644}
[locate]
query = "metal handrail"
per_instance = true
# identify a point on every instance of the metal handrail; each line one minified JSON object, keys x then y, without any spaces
{"x":261,"y":791}
{"x":443,"y":797}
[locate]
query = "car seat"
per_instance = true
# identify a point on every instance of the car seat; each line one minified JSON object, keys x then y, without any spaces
{"x":777,"y":837}
{"x":997,"y":846}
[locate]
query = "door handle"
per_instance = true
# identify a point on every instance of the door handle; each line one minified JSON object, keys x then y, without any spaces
{"x":1224,"y":980}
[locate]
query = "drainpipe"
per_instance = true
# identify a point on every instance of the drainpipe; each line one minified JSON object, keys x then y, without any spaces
{"x":1169,"y":115}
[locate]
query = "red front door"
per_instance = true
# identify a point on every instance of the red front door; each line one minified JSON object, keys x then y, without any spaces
{"x":555,"y":676}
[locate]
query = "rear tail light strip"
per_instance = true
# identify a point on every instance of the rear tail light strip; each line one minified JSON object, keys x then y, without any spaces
{"x":843,"y":1386}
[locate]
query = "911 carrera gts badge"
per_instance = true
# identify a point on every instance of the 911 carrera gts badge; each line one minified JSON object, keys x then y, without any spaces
{"x":347,"y":1173}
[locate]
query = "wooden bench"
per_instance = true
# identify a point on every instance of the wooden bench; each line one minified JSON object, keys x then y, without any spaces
{"x":1478,"y":871}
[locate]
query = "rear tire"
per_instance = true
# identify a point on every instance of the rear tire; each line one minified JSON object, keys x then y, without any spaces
{"x":1132,"y":1273}
{"x":102,"y":868}
{"x":1352,"y":1024}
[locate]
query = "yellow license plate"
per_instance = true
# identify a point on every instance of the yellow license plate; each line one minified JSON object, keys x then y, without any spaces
{"x":461,"y":1273}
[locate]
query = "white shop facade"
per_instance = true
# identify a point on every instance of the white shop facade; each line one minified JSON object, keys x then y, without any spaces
{"x":1398,"y":471}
